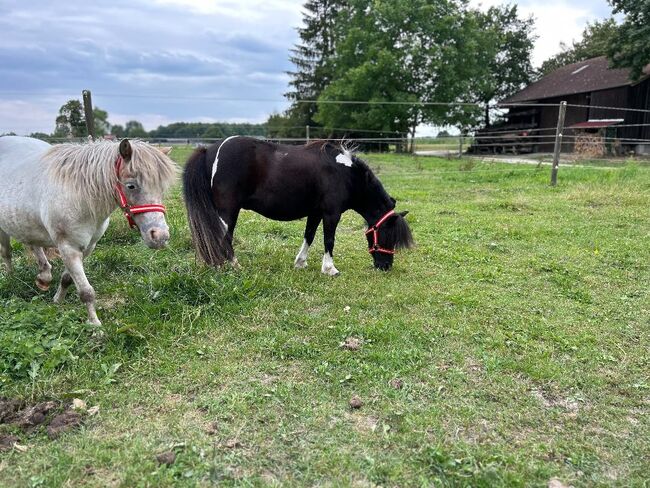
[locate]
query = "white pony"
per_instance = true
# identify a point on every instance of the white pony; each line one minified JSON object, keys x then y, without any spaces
{"x":62,"y":196}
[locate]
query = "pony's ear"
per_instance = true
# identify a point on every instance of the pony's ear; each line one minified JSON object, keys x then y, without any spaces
{"x":404,"y":213}
{"x":165,"y":150}
{"x":125,"y":149}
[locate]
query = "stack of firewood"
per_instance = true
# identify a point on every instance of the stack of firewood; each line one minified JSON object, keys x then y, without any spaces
{"x":590,"y":145}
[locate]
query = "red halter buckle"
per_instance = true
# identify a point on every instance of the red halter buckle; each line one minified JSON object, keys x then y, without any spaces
{"x":375,"y":235}
{"x":131,"y":210}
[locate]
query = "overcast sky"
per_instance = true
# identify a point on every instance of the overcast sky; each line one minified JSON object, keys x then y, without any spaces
{"x":164,"y":61}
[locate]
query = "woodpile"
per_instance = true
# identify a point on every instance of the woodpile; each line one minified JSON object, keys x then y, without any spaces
{"x":590,"y":145}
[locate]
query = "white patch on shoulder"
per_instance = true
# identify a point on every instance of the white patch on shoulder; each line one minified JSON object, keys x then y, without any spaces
{"x":216,"y":158}
{"x":344,"y":159}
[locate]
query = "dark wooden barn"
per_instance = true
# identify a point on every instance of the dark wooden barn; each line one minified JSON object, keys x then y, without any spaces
{"x":590,"y":85}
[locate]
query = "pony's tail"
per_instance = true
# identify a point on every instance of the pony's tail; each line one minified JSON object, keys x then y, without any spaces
{"x":207,"y":228}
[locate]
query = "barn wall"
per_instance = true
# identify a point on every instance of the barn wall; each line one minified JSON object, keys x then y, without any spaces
{"x":548,"y":119}
{"x":614,"y":97}
{"x":639,"y":97}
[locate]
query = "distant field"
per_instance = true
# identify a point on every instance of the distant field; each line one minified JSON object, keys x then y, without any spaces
{"x":518,"y":329}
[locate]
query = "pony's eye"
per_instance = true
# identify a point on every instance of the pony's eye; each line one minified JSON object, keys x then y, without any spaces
{"x":131,"y":186}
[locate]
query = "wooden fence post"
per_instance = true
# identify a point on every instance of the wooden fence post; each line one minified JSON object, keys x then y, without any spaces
{"x":460,"y":145}
{"x":558,"y":143}
{"x":88,"y":111}
{"x":307,"y":132}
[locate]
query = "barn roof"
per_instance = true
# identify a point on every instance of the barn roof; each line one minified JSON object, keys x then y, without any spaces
{"x":585,"y":76}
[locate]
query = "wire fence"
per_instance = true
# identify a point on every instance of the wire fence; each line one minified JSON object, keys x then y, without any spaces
{"x":523,"y":132}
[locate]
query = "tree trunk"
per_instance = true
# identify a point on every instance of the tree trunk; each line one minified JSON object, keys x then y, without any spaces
{"x":487,"y":115}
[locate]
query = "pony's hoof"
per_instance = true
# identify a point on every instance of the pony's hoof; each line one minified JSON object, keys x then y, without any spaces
{"x":331,"y":271}
{"x":97,"y":332}
{"x":300,"y":264}
{"x":42,"y":285}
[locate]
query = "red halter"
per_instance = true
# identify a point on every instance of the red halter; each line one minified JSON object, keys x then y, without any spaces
{"x":375,"y":235}
{"x":131,"y":210}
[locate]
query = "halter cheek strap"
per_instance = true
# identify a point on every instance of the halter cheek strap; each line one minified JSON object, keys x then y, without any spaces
{"x":131,"y":210}
{"x":374,"y":230}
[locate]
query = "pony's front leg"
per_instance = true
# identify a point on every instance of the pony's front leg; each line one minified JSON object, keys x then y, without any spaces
{"x":73,"y":260}
{"x":44,"y":277}
{"x":329,"y":229}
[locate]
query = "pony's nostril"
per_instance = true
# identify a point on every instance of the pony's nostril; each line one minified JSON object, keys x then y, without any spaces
{"x":158,"y":234}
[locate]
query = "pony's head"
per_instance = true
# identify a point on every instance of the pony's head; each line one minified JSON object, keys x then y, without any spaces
{"x":390,"y":233}
{"x":388,"y":230}
{"x":144,"y":175}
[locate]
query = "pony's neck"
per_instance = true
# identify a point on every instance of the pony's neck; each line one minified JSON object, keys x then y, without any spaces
{"x":373,"y":204}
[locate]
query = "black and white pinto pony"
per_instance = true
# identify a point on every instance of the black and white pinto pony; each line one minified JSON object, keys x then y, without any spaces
{"x":62,"y":196}
{"x":319,"y":181}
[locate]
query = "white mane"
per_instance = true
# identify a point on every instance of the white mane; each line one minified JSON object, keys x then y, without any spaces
{"x":89,"y":169}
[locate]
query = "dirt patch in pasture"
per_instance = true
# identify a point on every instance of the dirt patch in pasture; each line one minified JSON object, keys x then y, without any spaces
{"x":56,"y":417}
{"x":549,"y":400}
{"x":7,"y":442}
{"x":64,"y":422}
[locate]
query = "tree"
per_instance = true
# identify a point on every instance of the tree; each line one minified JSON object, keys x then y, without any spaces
{"x":133,"y":128}
{"x":71,"y":122}
{"x":631,"y":47}
{"x":503,"y":45}
{"x":596,"y":39}
{"x":100,"y":118}
{"x":323,"y":21}
{"x":399,"y":52}
{"x":118,"y":131}
{"x":442,"y":53}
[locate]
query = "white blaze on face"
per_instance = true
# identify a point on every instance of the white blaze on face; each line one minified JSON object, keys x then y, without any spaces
{"x":301,"y":258}
{"x":328,"y":267}
{"x":216,"y":159}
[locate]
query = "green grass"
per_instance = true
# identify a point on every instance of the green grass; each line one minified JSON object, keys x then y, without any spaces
{"x":519,"y":326}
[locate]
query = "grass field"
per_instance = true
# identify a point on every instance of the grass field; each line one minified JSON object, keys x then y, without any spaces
{"x":510,"y":347}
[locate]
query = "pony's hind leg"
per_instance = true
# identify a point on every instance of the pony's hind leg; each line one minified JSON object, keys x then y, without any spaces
{"x":310,"y":231}
{"x":64,"y":284}
{"x":5,"y":250}
{"x":230,"y":221}
{"x":44,"y":277}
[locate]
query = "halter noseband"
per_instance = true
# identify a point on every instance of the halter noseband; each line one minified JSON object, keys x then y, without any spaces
{"x":374,"y":230}
{"x":131,"y":210}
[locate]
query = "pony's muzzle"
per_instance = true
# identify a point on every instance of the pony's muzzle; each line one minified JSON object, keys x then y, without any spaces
{"x":154,"y":231}
{"x":157,"y":237}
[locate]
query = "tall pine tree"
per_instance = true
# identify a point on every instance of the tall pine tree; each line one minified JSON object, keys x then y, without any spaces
{"x":318,"y":36}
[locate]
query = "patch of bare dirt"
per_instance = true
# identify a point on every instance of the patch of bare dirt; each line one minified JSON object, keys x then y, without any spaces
{"x":32,"y":416}
{"x":556,"y":483}
{"x":7,"y":442}
{"x":65,"y":422}
{"x":8,"y":407}
{"x":352,"y":344}
{"x":167,"y":458}
{"x":548,"y":400}
{"x":53,"y":415}
{"x":363,"y":423}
